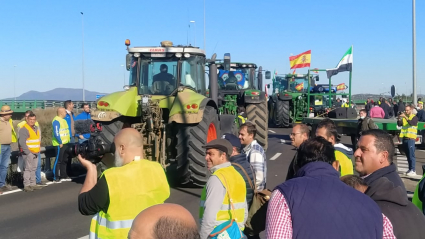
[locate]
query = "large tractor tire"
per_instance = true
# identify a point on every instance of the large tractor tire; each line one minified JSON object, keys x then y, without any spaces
{"x":191,"y":165}
{"x":257,"y":113}
{"x":281,"y":113}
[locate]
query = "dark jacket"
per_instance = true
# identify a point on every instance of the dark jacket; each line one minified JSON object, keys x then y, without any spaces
{"x":401,"y":107}
{"x":421,"y":115}
{"x":389,"y":172}
{"x":386,"y":109}
{"x":368,"y":106}
{"x":365,"y":124}
{"x":240,"y":159}
{"x":291,"y":169}
{"x":83,"y":116}
{"x":395,"y":107}
{"x":407,"y":220}
{"x":319,"y":203}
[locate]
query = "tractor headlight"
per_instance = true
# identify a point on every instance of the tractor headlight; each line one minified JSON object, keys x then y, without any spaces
{"x":300,"y":97}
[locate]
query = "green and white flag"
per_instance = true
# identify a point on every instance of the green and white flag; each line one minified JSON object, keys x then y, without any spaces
{"x":345,"y":64}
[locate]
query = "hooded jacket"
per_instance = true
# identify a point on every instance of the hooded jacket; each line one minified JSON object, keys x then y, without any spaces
{"x":407,"y":220}
{"x":389,"y":172}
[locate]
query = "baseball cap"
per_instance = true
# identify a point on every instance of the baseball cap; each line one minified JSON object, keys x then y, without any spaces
{"x":233,"y":140}
{"x":220,"y":144}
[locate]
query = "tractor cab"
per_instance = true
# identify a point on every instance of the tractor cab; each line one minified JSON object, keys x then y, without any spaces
{"x":162,"y":70}
{"x":293,"y":83}
{"x":240,"y":76}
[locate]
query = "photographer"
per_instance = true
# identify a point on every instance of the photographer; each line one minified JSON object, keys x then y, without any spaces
{"x":409,"y":129}
{"x":123,"y":191}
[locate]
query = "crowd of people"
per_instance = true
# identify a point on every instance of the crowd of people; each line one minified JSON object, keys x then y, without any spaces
{"x":330,"y":190}
{"x":27,"y":134}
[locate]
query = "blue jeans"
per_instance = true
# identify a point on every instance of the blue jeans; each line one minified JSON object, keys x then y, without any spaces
{"x":38,"y":170}
{"x":5,"y":152}
{"x":409,"y":148}
{"x":80,"y":141}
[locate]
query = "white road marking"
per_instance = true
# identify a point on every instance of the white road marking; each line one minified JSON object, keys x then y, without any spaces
{"x":13,"y":191}
{"x":402,"y":162}
{"x":271,"y":131}
{"x":84,"y":237}
{"x":282,"y":141}
{"x":275,"y":156}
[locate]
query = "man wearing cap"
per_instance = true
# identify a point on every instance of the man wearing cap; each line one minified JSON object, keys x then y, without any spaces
{"x":7,"y":137}
{"x":225,"y":183}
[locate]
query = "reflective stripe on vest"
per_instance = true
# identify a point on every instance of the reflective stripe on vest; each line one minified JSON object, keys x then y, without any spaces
{"x":408,"y":131}
{"x":132,"y":188}
{"x":33,"y":141}
{"x":415,"y":199}
{"x":63,"y":132}
{"x":14,"y":135}
{"x":345,"y":163}
{"x":237,"y":190}
{"x":242,"y":119}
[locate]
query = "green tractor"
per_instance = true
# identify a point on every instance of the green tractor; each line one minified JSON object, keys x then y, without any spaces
{"x":289,"y":103}
{"x":165,"y":101}
{"x":239,"y":90}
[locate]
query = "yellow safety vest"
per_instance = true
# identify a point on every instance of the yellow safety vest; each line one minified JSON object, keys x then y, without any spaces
{"x":236,"y":188}
{"x":33,"y":142}
{"x":132,"y":188}
{"x":21,"y":124}
{"x":408,"y":131}
{"x":14,"y":135}
{"x":241,"y":120}
{"x":345,"y":163}
{"x":415,"y":199}
{"x":345,"y":105}
{"x":63,"y":132}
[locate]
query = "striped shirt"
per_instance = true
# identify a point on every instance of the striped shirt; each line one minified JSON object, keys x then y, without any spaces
{"x":257,"y":158}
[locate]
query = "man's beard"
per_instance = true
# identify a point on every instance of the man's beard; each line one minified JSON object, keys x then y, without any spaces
{"x":118,"y":162}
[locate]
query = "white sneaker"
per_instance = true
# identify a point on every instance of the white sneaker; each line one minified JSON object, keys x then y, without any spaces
{"x":411,"y":173}
{"x":408,"y":171}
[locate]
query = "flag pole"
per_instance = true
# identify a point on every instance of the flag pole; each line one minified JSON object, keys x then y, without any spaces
{"x":349,"y":81}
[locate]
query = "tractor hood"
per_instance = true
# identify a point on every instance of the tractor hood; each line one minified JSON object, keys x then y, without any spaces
{"x":117,"y":104}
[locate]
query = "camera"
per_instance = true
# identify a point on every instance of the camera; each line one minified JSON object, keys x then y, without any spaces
{"x":92,"y":149}
{"x":95,"y":147}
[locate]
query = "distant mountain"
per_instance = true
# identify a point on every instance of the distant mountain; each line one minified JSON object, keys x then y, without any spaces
{"x":60,"y":94}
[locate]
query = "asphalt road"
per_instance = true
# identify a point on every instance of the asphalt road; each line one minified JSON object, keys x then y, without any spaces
{"x":53,"y":211}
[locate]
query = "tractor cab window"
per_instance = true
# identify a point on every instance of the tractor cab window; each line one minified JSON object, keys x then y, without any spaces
{"x":231,"y":80}
{"x":193,"y":73}
{"x":298,"y":85}
{"x":158,"y":76}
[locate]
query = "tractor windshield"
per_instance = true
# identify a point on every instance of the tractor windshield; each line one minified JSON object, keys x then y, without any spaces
{"x":161,"y":76}
{"x":236,"y":79}
{"x":292,"y":84}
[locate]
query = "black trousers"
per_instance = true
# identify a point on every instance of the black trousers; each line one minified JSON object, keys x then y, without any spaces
{"x":61,"y":162}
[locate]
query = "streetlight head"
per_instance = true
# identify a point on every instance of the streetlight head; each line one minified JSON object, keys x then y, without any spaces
{"x":192,"y":21}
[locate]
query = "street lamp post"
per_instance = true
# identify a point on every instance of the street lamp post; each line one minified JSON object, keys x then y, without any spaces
{"x":123,"y":70}
{"x":414,"y":52}
{"x":204,"y":27}
{"x":14,"y":82}
{"x":82,"y":56}
{"x":194,"y":35}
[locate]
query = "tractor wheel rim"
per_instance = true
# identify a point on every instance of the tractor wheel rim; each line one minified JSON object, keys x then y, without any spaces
{"x":212,"y":133}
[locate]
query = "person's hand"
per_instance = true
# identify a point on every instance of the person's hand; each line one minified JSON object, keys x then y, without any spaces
{"x":87,"y":164}
{"x":81,"y":137}
{"x":61,"y":145}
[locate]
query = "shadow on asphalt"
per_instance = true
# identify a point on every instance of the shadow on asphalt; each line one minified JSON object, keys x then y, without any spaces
{"x":279,"y":136}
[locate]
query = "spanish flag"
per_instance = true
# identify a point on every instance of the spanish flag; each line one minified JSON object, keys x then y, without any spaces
{"x":300,"y":86}
{"x":301,"y":60}
{"x":341,"y":86}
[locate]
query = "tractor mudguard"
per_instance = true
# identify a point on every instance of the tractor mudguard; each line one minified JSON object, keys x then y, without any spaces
{"x":254,"y":96}
{"x":282,"y":96}
{"x":117,"y":104}
{"x":188,"y":107}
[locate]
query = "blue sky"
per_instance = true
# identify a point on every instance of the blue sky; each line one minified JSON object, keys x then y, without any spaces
{"x":43,"y":38}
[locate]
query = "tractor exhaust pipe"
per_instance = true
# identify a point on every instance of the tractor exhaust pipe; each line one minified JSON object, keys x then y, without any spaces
{"x":213,"y":79}
{"x":260,"y":78}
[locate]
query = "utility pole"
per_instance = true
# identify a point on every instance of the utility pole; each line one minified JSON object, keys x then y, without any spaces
{"x":14,"y":82}
{"x":82,"y":65}
{"x":204,"y":29}
{"x":414,"y":100}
